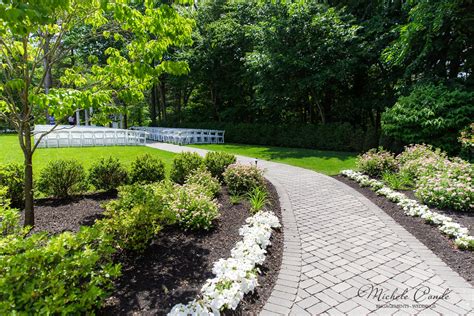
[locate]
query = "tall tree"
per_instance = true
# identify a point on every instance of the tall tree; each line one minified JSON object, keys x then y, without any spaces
{"x":152,"y":29}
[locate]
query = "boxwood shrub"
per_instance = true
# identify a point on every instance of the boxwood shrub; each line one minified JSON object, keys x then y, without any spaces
{"x":185,"y":164}
{"x":217,"y":162}
{"x":147,"y":169}
{"x":108,"y":174}
{"x":62,"y":178}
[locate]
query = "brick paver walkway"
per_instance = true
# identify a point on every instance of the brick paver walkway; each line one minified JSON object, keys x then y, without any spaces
{"x":340,"y":249}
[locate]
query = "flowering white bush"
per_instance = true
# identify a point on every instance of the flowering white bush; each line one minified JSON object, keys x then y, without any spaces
{"x":412,"y":208}
{"x":237,"y":275}
{"x":449,"y":187}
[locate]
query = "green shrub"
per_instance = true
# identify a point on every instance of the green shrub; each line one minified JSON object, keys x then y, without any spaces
{"x":9,"y":220}
{"x":258,"y":198}
{"x":376,"y":161}
{"x":65,"y":274}
{"x":217,"y":162}
{"x":193,"y":208}
{"x":107,"y":174}
{"x":241,"y":179}
{"x":432,"y":114}
{"x":202,"y":177}
{"x":418,"y":159}
{"x":12,"y":176}
{"x":449,"y":186}
{"x":147,"y":169}
{"x":138,"y":214}
{"x":398,"y":181}
{"x":62,"y":178}
{"x":184,"y":164}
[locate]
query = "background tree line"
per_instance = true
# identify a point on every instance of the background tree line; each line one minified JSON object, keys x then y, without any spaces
{"x":328,"y":74}
{"x":385,"y":72}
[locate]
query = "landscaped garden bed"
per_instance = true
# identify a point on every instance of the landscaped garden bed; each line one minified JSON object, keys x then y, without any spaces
{"x":428,"y":193}
{"x":177,"y":263}
{"x":156,"y":245}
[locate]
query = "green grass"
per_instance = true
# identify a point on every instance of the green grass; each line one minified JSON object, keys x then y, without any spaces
{"x":10,"y":151}
{"x":327,"y":162}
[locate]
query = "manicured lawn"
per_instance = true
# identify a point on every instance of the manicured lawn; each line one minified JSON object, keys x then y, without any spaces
{"x":10,"y":152}
{"x":327,"y":162}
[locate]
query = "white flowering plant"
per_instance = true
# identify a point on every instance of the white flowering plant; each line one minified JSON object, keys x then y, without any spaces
{"x":193,"y":208}
{"x":411,"y":207}
{"x":237,"y":275}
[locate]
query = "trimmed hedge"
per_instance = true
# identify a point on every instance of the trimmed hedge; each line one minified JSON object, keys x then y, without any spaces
{"x":331,"y":136}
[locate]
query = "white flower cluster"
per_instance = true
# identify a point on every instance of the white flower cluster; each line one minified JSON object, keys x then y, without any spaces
{"x":413,"y":208}
{"x":237,"y":275}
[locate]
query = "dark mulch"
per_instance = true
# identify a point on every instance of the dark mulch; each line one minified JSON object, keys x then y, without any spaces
{"x":461,"y":261}
{"x":56,"y":216}
{"x":174,"y":268}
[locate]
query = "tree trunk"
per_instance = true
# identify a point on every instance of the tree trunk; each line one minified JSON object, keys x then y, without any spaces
{"x":162,"y":90}
{"x":125,"y":119}
{"x":215,"y":102}
{"x":27,"y":152}
{"x":153,"y":105}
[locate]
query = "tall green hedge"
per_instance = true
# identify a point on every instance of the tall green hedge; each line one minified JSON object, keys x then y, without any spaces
{"x":331,"y":136}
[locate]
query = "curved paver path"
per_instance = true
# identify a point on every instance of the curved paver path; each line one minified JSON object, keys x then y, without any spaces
{"x":337,"y":242}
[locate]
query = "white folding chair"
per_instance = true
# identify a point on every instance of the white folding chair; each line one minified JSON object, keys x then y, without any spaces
{"x":87,"y":138}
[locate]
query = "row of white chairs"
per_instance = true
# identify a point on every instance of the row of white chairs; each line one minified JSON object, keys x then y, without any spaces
{"x":93,"y":137}
{"x":183,"y":136}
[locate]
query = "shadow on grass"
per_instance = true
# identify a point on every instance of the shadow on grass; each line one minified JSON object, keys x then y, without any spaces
{"x":281,"y":153}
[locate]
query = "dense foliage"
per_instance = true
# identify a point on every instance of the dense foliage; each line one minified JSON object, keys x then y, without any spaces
{"x":138,"y":214}
{"x":193,"y":208}
{"x":431,"y":114}
{"x":438,"y":180}
{"x":11,"y":177}
{"x":303,"y":65}
{"x":147,"y":169}
{"x":62,"y":178}
{"x":108,"y":174}
{"x":67,"y":273}
{"x":241,"y":179}
{"x":217,"y":162}
{"x":376,"y":162}
{"x":184,"y":165}
{"x":204,"y":178}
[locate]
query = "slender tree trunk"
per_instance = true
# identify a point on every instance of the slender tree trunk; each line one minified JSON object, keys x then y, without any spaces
{"x":179,"y":98}
{"x":215,"y":102}
{"x":162,"y":91}
{"x":153,"y":105}
{"x":125,"y":118}
{"x":28,"y":155}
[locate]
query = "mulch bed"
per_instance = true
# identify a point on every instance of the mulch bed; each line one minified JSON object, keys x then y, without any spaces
{"x":461,"y":261}
{"x":56,"y":216}
{"x":174,"y":268}
{"x":176,"y":265}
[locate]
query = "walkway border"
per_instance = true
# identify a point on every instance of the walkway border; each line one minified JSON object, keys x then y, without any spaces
{"x":284,"y":292}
